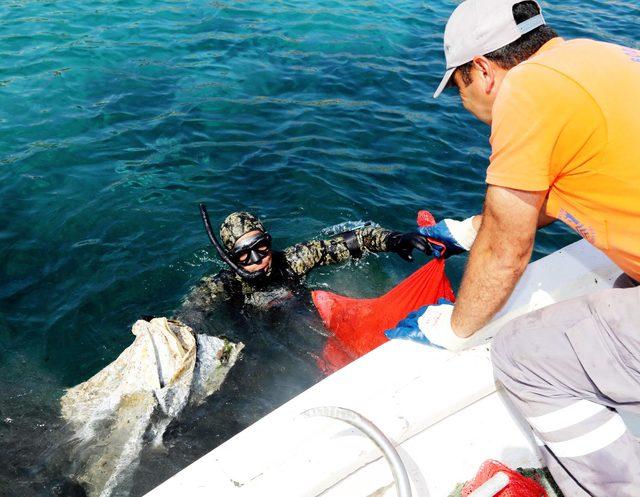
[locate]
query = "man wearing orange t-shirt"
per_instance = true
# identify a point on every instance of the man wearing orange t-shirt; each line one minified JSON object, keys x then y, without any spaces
{"x":565,"y":128}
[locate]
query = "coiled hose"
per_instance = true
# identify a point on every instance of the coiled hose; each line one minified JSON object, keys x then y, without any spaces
{"x":376,"y":436}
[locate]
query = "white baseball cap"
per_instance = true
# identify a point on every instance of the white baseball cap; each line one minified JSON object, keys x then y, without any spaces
{"x":478,"y":27}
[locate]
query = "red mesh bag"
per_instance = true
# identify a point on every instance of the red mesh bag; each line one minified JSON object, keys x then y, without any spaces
{"x":358,"y":325}
{"x":519,"y":486}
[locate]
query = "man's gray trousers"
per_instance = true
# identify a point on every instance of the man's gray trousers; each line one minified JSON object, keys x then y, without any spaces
{"x":568,"y":368}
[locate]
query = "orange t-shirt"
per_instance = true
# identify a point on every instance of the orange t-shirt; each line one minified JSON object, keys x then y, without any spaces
{"x":567,"y":121}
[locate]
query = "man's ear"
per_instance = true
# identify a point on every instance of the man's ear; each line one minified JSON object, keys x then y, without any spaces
{"x":486,"y":72}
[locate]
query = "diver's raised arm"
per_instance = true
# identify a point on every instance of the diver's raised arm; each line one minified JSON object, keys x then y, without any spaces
{"x":303,"y":257}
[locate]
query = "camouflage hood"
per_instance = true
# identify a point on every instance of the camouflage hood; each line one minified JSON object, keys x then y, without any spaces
{"x":236,"y":225}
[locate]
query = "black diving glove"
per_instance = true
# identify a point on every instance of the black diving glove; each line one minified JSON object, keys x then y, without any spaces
{"x":403,"y":244}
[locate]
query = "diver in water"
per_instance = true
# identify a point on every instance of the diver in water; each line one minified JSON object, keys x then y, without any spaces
{"x":261,"y":276}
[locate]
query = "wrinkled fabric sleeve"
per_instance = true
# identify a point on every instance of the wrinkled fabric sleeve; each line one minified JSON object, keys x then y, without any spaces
{"x":535,"y":106}
{"x":303,"y":257}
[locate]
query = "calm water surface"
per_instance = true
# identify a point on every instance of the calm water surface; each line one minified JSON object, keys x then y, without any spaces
{"x":118,"y":117}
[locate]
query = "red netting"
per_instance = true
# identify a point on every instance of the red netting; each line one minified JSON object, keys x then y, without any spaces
{"x":359,"y":324}
{"x":519,"y":486}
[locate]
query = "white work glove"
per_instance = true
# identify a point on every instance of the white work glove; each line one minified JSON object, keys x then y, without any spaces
{"x":430,"y":325}
{"x":450,"y":237}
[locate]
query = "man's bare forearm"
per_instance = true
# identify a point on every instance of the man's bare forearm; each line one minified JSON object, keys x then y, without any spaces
{"x":489,"y":280}
{"x":498,"y":257}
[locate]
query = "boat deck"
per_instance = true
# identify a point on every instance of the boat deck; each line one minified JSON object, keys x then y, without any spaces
{"x":443,"y":410}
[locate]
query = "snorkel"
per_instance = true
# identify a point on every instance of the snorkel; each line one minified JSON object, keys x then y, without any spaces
{"x":222,"y":253}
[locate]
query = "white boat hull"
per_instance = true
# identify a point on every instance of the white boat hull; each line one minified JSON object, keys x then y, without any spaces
{"x":442,"y":409}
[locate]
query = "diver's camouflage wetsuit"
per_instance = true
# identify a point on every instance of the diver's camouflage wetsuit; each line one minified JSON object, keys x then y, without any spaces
{"x":288,"y":269}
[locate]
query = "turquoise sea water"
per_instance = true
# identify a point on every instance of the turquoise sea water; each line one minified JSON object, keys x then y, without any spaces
{"x":118,"y":117}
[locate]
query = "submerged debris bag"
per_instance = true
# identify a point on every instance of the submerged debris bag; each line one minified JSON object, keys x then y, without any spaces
{"x":358,"y":325}
{"x":137,"y":395}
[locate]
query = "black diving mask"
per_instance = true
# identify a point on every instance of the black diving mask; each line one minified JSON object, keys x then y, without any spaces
{"x":252,"y":250}
{"x":228,"y":258}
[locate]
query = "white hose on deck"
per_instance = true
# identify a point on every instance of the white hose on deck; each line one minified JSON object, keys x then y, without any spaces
{"x":376,"y":436}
